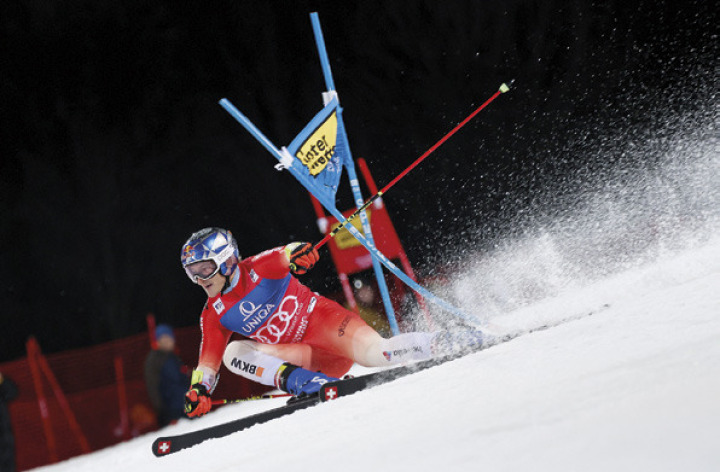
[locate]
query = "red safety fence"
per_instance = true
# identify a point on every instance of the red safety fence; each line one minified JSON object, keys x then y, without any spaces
{"x":82,"y":400}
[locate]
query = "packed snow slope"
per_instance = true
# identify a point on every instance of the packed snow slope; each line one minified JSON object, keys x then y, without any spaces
{"x":635,"y":386}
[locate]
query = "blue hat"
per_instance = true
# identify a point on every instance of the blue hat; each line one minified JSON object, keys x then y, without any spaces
{"x":164,"y":330}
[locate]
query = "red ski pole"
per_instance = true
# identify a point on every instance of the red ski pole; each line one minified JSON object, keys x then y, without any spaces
{"x":503,"y":88}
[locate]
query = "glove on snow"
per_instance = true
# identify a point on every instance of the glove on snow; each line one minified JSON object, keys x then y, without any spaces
{"x":302,"y":257}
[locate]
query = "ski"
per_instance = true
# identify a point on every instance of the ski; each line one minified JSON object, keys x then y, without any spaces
{"x":348,"y":386}
{"x":167,"y":445}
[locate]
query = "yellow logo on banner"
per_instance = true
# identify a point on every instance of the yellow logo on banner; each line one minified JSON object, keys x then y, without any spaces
{"x":315,"y":153}
{"x":344,"y":239}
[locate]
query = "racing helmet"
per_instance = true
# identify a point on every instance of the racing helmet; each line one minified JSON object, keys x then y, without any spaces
{"x":215,"y":246}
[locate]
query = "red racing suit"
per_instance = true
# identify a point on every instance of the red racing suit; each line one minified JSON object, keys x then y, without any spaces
{"x":267,"y":304}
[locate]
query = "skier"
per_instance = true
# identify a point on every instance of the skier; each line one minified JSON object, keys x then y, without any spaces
{"x":295,"y":339}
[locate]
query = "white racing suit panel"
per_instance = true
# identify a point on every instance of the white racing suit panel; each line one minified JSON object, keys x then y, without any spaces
{"x":244,"y":359}
{"x":381,"y":352}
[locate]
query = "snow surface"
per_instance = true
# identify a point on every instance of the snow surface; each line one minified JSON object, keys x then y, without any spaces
{"x":633,"y":387}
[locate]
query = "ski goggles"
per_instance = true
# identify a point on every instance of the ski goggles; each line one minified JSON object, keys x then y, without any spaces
{"x":201,"y":270}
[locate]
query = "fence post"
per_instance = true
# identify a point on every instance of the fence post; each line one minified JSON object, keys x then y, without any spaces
{"x":62,"y":401}
{"x":122,"y":397}
{"x":150,"y":319}
{"x":32,"y":351}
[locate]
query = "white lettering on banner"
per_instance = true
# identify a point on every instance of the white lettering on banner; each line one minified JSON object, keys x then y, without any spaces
{"x":278,"y":325}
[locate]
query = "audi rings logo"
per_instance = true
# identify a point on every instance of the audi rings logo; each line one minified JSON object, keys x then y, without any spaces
{"x":279,"y":323}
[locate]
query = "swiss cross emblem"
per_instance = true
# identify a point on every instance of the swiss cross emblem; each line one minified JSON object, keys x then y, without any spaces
{"x":164,"y":447}
{"x":331,"y":393}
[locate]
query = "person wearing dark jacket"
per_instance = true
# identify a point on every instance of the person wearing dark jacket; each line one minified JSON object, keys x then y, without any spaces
{"x":8,"y":392}
{"x":166,"y":378}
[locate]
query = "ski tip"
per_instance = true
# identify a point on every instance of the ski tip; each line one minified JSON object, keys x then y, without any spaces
{"x":162,"y":447}
{"x":329,"y":392}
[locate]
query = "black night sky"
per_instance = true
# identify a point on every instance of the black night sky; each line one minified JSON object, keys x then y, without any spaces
{"x":114,"y":147}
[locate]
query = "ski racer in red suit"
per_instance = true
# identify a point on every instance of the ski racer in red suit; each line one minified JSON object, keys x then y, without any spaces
{"x":294,"y":339}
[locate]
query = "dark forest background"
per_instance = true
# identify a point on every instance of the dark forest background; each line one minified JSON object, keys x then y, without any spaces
{"x":114,"y":148}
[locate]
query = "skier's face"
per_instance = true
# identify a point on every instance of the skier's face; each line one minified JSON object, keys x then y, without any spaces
{"x":213,"y":285}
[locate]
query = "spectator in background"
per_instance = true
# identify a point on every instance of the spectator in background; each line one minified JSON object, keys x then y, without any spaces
{"x":166,"y":377}
{"x":8,"y":392}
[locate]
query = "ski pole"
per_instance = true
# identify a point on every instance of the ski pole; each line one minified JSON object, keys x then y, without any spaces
{"x":503,"y":88}
{"x":226,"y":401}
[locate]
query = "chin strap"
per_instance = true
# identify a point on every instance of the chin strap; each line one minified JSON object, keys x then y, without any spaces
{"x":226,"y":286}
{"x":231,"y":281}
